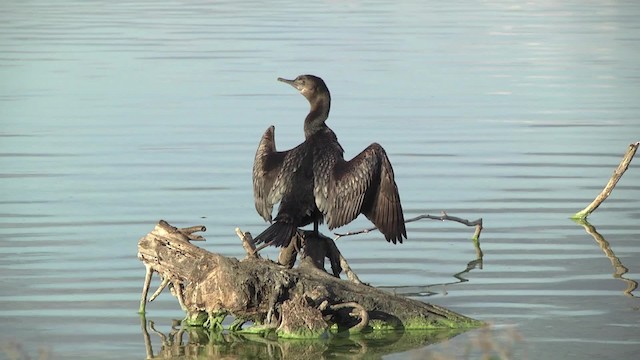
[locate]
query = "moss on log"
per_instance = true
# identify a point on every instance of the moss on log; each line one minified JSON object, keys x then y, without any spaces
{"x":304,"y":301}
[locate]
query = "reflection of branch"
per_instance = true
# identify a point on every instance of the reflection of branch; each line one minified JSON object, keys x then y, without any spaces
{"x":13,"y":350}
{"x":145,"y":336}
{"x":619,"y":269}
{"x":443,"y":217}
{"x":617,"y":174}
{"x":424,"y":290}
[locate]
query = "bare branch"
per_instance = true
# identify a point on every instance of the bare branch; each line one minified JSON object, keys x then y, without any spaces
{"x":617,"y":174}
{"x":192,"y":229}
{"x":186,"y":233}
{"x":444,"y":217}
{"x":145,"y":287}
{"x":163,"y":285}
{"x":247,"y":243}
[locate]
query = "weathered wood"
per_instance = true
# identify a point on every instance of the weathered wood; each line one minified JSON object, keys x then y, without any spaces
{"x":210,"y":286}
{"x":617,"y":174}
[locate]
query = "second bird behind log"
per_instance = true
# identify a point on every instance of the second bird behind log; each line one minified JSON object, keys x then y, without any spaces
{"x":314,"y":183}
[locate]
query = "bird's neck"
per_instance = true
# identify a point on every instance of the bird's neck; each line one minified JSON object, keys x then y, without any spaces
{"x":318,"y":114}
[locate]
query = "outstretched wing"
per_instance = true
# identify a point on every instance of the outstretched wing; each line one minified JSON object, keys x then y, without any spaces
{"x":273,"y":173}
{"x":366,"y":185}
{"x":266,"y":168}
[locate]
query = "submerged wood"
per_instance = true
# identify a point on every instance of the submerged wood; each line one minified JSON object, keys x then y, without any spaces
{"x":617,"y":174}
{"x":304,"y":301}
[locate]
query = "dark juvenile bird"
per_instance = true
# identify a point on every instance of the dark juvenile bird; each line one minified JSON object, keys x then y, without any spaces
{"x":314,"y":183}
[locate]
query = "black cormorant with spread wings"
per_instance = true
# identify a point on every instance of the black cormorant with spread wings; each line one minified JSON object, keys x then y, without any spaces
{"x":314,"y":183}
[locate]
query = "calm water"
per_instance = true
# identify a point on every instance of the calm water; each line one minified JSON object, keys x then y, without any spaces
{"x":114,"y":115}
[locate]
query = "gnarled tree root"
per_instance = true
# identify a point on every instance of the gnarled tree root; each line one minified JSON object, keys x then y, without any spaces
{"x":304,"y":301}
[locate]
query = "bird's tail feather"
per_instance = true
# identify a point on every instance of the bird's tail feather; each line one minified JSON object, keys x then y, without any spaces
{"x":278,"y":234}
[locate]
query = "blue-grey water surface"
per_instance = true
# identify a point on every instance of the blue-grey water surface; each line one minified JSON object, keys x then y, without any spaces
{"x":115,"y":114}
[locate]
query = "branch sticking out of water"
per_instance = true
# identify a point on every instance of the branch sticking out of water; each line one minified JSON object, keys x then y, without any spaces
{"x":444,"y":217}
{"x":617,"y":174}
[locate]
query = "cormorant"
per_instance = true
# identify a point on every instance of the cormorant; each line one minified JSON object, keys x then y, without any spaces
{"x":313,"y":182}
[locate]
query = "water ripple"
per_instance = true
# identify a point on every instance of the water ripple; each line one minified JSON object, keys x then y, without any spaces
{"x":116,"y":114}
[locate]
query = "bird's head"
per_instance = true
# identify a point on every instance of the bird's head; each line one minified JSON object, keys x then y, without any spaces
{"x":310,"y":86}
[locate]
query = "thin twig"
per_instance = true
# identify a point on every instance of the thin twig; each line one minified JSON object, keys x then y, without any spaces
{"x":444,"y":217}
{"x":617,"y":174}
{"x":163,"y":285}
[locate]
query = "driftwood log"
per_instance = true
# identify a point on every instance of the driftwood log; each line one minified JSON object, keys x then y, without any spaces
{"x":304,"y":301}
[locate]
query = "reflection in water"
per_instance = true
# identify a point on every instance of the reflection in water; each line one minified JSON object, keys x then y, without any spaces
{"x":13,"y":350}
{"x":619,"y":269}
{"x":196,"y":342}
{"x":418,"y":290}
{"x":116,"y":113}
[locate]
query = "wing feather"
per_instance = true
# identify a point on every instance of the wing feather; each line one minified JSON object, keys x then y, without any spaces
{"x":386,"y":210}
{"x":365,"y":185}
{"x":347,"y":187}
{"x":267,"y":167}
